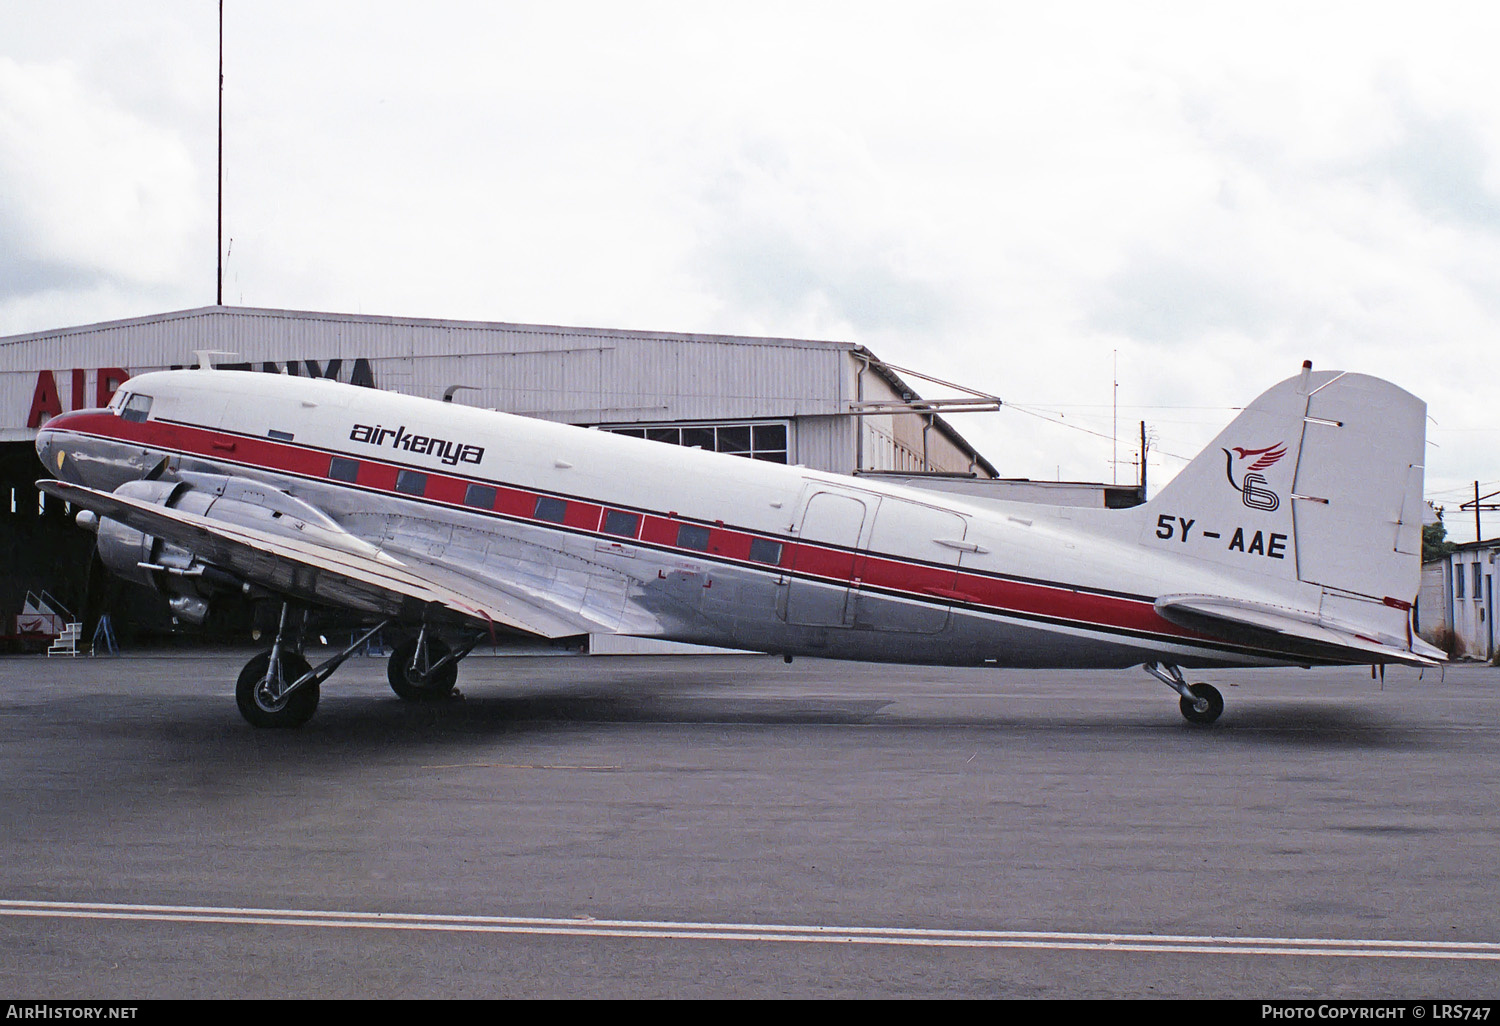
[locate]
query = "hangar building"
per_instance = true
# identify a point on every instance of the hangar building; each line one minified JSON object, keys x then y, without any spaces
{"x":826,"y":405}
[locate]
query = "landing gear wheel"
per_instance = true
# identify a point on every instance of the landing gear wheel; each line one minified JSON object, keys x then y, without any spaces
{"x":255,"y":699}
{"x":1204,"y":692}
{"x":413,"y":686}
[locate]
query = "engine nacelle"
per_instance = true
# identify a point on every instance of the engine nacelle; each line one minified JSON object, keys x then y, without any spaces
{"x":187,"y":581}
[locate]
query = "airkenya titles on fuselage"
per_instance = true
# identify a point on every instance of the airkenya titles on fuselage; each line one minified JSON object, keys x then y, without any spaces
{"x":451,"y":453}
{"x":457,"y":521}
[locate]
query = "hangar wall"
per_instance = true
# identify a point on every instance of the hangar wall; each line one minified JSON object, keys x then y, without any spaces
{"x":740,"y":394}
{"x":589,"y":376}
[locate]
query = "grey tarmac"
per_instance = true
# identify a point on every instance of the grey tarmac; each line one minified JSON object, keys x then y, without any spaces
{"x":818,"y":829}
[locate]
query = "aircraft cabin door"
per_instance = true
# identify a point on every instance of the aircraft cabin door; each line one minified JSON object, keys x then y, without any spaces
{"x":827,"y":553}
{"x":909,"y":576}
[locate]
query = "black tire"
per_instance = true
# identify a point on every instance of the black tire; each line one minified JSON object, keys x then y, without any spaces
{"x":1215,"y":704}
{"x":258,"y":708}
{"x":411,"y":687}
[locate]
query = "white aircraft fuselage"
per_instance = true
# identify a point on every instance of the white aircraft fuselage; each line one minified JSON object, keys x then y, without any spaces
{"x":427,"y":512}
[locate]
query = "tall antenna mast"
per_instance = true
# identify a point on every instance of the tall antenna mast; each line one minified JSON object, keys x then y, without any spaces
{"x":1114,"y":429}
{"x":219,"y":292}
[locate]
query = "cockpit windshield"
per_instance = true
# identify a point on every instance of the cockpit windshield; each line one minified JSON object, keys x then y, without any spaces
{"x":136,"y":407}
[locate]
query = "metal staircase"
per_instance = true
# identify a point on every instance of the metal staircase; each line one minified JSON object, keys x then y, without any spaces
{"x":66,"y":643}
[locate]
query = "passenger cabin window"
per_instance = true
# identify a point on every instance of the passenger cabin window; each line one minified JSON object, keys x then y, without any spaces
{"x":691,"y":536}
{"x":411,"y":482}
{"x":764,"y":550}
{"x":550,"y":509}
{"x":341,"y":469}
{"x":136,"y":408}
{"x":480,"y":496}
{"x":624,"y":524}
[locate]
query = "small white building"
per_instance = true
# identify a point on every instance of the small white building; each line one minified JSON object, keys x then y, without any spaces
{"x":1458,"y":593}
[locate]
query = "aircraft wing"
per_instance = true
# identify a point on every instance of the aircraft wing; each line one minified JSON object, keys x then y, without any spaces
{"x":355,"y":576}
{"x":1293,"y":631}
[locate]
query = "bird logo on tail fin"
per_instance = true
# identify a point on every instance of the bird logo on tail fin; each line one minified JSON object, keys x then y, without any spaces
{"x":1250,"y":484}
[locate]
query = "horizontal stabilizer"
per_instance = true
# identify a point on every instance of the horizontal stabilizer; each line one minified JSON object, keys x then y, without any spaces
{"x":1297,"y":632}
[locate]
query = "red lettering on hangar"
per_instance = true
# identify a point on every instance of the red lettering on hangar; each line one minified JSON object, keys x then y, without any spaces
{"x":46,"y":401}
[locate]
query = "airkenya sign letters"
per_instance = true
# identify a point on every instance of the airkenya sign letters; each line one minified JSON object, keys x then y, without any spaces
{"x":46,"y":396}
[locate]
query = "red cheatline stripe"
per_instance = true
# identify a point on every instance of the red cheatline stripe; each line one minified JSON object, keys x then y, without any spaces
{"x":913,"y":580}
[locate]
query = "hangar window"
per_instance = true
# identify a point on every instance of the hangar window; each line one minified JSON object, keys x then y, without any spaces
{"x":691,"y":536}
{"x":341,"y":469}
{"x":1458,"y":581}
{"x":411,"y":482}
{"x":624,"y":524}
{"x":550,"y":509}
{"x":136,"y":407}
{"x":760,"y":441}
{"x":1478,"y":581}
{"x":768,"y":442}
{"x":480,"y":496}
{"x":764,"y":550}
{"x":734,"y":439}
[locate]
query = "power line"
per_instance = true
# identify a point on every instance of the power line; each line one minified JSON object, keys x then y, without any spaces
{"x":1463,"y":489}
{"x":1132,"y":406}
{"x":1087,"y":431}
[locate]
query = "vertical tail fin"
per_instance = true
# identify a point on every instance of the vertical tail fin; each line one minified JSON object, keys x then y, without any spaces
{"x":1317,"y":483}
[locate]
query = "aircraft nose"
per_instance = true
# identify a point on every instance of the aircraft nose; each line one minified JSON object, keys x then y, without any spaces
{"x":52,"y":448}
{"x":46,"y":445}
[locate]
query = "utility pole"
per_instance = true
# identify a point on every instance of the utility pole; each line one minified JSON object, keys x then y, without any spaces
{"x":219,"y":291}
{"x":1143,"y":461}
{"x":1479,"y":503}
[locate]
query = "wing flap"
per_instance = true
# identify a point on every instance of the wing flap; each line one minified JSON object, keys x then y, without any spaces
{"x":1294,"y":631}
{"x":338,"y":575}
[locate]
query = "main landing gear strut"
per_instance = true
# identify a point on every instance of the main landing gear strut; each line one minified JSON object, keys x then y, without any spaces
{"x":425,"y":668}
{"x":279,"y":688}
{"x":1201,"y":703}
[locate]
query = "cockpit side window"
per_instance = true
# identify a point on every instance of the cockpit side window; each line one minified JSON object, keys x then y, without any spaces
{"x":136,"y":407}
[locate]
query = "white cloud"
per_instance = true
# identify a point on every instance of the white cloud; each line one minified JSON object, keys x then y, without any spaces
{"x":92,"y":193}
{"x":1007,"y":195}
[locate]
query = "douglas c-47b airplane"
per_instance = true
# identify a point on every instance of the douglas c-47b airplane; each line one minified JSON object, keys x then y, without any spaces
{"x":1294,"y":539}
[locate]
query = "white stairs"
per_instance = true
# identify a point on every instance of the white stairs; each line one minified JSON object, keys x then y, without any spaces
{"x":66,"y":643}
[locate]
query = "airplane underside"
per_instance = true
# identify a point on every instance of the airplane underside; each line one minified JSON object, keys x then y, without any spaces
{"x":280,"y":688}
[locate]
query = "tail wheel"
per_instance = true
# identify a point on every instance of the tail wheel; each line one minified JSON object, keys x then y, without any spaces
{"x":260,"y":702}
{"x":417,"y":684}
{"x":1206,"y":694}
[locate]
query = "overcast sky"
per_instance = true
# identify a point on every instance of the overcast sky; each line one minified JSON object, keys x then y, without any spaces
{"x":1010,"y":195}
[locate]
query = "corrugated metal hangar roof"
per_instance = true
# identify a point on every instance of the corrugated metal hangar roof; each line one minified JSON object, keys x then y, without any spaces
{"x":580,"y":375}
